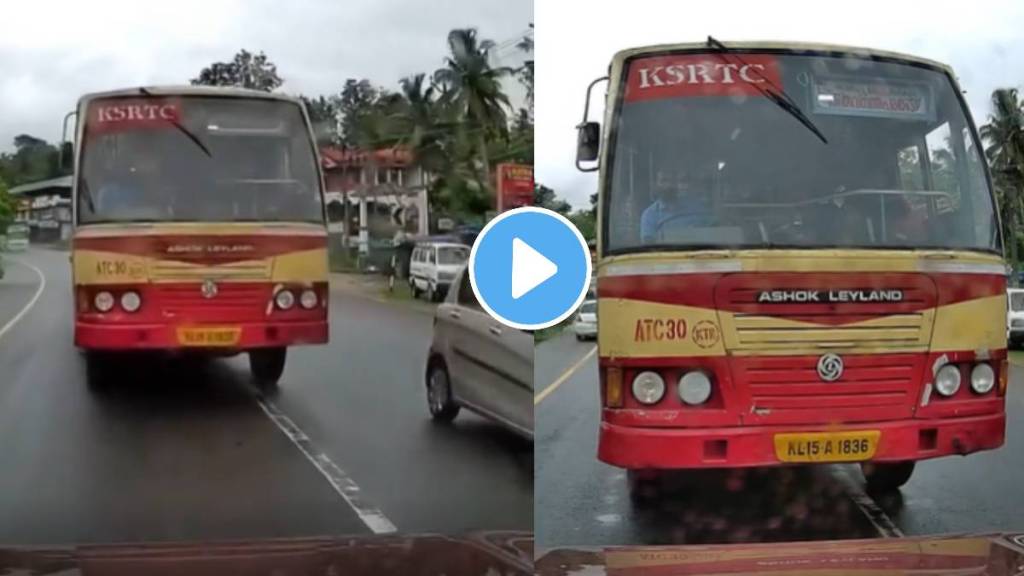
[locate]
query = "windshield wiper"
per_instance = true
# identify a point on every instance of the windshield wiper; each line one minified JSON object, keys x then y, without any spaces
{"x":88,"y":195}
{"x":775,"y":94}
{"x":182,"y":129}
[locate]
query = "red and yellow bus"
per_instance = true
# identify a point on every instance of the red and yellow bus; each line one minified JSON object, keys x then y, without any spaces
{"x":199,"y":226}
{"x":799,"y":261}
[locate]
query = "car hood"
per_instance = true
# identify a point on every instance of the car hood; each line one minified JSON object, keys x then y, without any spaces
{"x":490,"y":553}
{"x":989,"y":555}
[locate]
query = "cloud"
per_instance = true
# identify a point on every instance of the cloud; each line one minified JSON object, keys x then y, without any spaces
{"x":53,"y":52}
{"x":983,"y":42}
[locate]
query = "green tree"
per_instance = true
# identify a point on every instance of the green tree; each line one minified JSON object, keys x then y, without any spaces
{"x":585,"y":221}
{"x":325,"y":118}
{"x":473,"y":87}
{"x":245,"y":70}
{"x":7,"y":208}
{"x":1004,"y":139}
{"x":33,"y":159}
{"x":545,"y":198}
{"x":525,"y":72}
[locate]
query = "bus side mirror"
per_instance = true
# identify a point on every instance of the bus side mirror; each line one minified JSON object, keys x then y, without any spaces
{"x":588,"y":137}
{"x":588,"y":141}
{"x":66,"y":153}
{"x":67,"y":158}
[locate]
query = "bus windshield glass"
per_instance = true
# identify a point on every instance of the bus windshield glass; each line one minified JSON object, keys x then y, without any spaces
{"x":196,"y":159}
{"x":726,"y":149}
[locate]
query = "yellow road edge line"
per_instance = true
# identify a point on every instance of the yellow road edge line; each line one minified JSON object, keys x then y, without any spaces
{"x":565,"y":376}
{"x":39,"y":291}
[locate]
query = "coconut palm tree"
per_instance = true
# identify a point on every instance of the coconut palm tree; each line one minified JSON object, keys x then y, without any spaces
{"x":473,"y":88}
{"x":1004,"y":138}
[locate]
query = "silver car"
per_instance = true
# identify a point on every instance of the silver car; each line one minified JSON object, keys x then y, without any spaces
{"x":479,"y":364}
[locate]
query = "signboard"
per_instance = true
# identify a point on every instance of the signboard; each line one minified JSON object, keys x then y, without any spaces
{"x":130,"y":114}
{"x":445,"y":224}
{"x":515,"y":186}
{"x":878,"y":98}
{"x":690,"y":75}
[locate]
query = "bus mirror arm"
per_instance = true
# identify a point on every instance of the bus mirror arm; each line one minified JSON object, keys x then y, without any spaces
{"x":66,"y":155}
{"x":588,"y":141}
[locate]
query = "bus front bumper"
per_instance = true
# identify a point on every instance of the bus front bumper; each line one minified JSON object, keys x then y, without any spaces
{"x":664,"y":448}
{"x":95,"y":336}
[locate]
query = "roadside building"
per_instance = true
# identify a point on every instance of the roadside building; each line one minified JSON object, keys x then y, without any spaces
{"x":383,"y":193}
{"x":45,"y":206}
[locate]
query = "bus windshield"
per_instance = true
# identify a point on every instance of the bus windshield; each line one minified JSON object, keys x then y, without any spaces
{"x":197,"y":159}
{"x":756,"y":150}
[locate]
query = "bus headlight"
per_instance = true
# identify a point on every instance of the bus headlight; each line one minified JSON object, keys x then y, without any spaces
{"x":103,"y":301}
{"x":284,"y":299}
{"x":648,"y":387}
{"x":694,"y":388}
{"x":130,"y":301}
{"x":308,"y":299}
{"x":982,"y":378}
{"x":947,"y":380}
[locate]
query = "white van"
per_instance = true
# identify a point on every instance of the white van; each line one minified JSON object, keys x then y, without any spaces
{"x":434,"y":266}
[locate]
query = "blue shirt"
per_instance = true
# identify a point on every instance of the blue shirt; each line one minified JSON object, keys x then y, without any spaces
{"x":696,"y":214}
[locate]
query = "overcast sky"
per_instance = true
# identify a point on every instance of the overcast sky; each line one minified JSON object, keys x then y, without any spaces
{"x":53,"y":52}
{"x":983,"y":40}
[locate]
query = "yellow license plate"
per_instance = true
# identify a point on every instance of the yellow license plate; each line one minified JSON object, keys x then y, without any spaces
{"x":209,"y":336}
{"x":826,"y":446}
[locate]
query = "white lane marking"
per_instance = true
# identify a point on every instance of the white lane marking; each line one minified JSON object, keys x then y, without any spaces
{"x":565,"y":376}
{"x":39,"y":291}
{"x":878,"y":518}
{"x":342,"y":484}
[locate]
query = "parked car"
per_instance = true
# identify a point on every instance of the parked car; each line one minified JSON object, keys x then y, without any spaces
{"x":585,"y":324}
{"x":433,"y":268}
{"x":1014,"y":317}
{"x":479,"y":364}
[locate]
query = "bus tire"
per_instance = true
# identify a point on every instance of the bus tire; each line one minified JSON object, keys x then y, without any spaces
{"x":886,"y":476}
{"x":439,"y":392}
{"x":644,"y":487}
{"x":97,"y":369}
{"x":267,"y":365}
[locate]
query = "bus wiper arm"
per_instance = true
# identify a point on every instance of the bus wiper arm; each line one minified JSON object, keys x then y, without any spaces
{"x":782,"y":101}
{"x":775,"y":94}
{"x":182,"y":129}
{"x":88,"y":195}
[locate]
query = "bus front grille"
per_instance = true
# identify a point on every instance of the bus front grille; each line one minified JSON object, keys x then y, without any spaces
{"x":231,"y":301}
{"x":788,"y":389}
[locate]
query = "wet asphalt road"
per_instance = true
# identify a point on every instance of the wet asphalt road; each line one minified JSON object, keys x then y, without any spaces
{"x":183,"y":450}
{"x":580,"y":501}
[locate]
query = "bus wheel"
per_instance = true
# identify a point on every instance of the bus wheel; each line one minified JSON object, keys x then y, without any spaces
{"x":267,"y":365}
{"x":439,"y":393}
{"x":97,"y":369}
{"x":886,"y":476}
{"x":644,"y":486}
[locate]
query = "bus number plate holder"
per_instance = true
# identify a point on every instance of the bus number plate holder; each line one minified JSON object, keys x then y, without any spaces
{"x":853,"y":446}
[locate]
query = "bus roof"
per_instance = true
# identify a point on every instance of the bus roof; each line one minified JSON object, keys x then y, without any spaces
{"x":780,"y":45}
{"x":188,"y":90}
